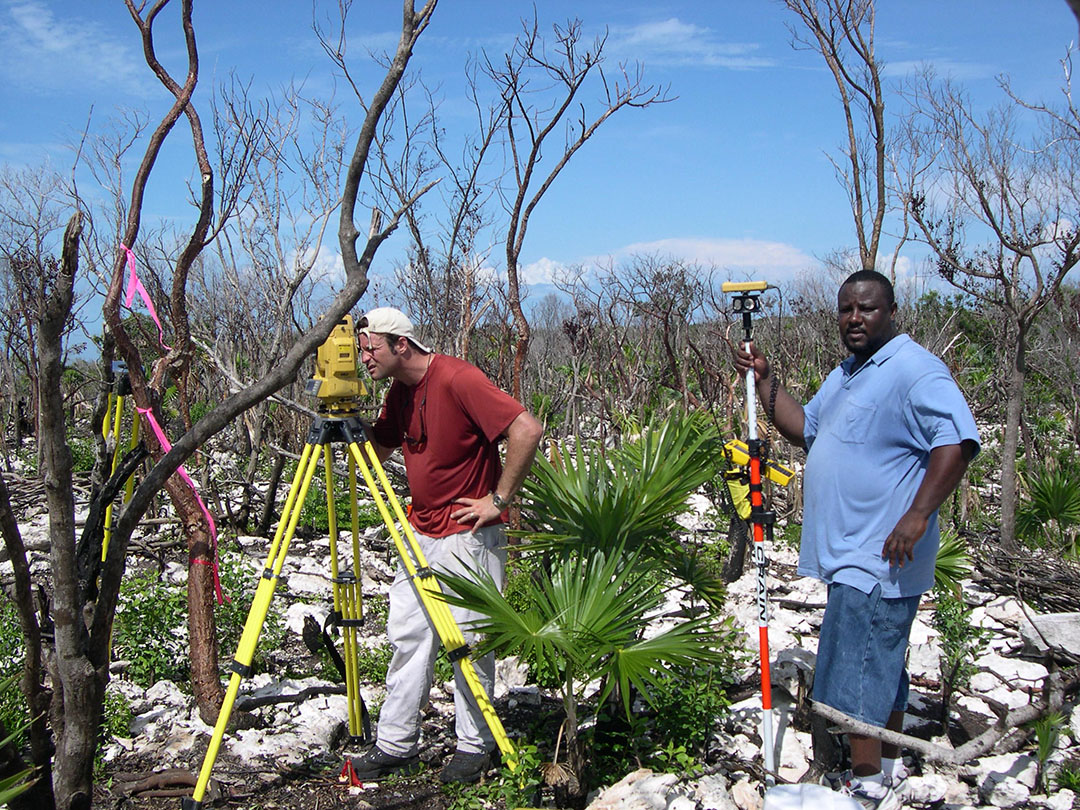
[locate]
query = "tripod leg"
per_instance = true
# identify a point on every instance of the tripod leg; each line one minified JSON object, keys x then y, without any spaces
{"x":430,"y":594}
{"x":335,"y":575}
{"x":115,"y":432}
{"x":260,"y":605}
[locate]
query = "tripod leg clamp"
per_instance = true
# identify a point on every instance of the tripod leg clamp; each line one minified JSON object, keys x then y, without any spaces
{"x":243,"y":670}
{"x":458,"y":653}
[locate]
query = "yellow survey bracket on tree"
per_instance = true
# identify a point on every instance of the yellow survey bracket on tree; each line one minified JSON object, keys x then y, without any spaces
{"x":739,"y":453}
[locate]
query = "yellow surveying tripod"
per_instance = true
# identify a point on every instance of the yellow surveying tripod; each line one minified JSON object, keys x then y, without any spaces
{"x":338,"y":388}
{"x":110,"y":426}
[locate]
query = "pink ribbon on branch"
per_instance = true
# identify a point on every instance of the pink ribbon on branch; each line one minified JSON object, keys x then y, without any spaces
{"x":213,"y":562}
{"x":136,"y":286}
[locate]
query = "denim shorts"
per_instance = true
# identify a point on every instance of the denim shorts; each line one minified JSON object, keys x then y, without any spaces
{"x":862,"y":652}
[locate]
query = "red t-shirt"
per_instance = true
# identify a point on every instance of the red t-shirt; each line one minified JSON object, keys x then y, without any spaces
{"x":447,"y":426}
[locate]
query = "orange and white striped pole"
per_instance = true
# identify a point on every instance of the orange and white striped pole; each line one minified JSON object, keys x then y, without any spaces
{"x":746,"y":303}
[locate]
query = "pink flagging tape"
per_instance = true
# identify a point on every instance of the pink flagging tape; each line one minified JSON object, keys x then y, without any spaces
{"x":133,"y":286}
{"x":167,"y":446}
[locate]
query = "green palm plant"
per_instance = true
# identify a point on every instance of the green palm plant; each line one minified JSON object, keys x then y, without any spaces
{"x":17,"y":783}
{"x":630,"y":497}
{"x":584,"y":619}
{"x":608,"y":524}
{"x":1051,"y":514}
{"x":953,"y":562}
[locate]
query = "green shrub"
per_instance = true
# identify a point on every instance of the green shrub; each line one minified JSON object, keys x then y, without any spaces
{"x":13,"y":710}
{"x":151,"y":629}
{"x":373,"y":662}
{"x":961,"y":641}
{"x":314,"y":514}
{"x":118,"y":715}
{"x":1068,"y":777}
{"x":1050,"y":516}
{"x":238,"y":582}
{"x":690,"y":703}
{"x":953,"y":563}
{"x":511,"y":788}
{"x":83,"y":453}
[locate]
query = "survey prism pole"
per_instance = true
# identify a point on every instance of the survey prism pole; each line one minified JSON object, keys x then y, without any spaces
{"x":746,"y":303}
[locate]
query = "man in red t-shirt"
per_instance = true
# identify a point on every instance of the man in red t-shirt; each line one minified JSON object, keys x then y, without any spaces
{"x":447,"y":417}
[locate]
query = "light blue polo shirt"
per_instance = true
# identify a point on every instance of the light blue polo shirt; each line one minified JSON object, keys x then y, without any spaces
{"x":869,"y":435}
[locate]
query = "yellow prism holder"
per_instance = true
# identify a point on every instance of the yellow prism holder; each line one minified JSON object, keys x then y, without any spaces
{"x":739,"y":453}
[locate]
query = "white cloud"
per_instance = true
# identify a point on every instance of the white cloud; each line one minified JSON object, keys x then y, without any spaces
{"x":776,"y":260}
{"x":328,"y":267}
{"x":44,"y":52}
{"x":676,"y":43}
{"x":542,"y":271}
{"x":954,"y":69}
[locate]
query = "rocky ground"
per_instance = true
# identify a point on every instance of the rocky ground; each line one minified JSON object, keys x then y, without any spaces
{"x":289,"y":753}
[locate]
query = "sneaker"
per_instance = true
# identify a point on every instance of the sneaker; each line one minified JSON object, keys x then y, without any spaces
{"x":466,"y":767}
{"x":870,"y":794}
{"x":834,"y":780}
{"x":376,"y":764}
{"x":898,"y":782}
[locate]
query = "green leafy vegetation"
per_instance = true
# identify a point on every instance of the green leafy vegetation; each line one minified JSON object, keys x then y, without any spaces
{"x":150,"y":630}
{"x":609,"y":530}
{"x":1050,"y":515}
{"x":14,"y":713}
{"x":953,"y":563}
{"x":239,"y":578}
{"x":511,"y":788}
{"x":1047,"y":734}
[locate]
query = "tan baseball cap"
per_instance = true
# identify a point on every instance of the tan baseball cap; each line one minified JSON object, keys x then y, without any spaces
{"x":390,"y":321}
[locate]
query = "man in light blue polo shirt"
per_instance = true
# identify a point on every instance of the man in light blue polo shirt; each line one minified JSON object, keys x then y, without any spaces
{"x":889,"y":437}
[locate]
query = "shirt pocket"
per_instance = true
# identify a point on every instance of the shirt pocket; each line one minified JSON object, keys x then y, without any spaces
{"x":852,"y":424}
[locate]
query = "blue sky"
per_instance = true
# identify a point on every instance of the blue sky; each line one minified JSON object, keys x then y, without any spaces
{"x":734,"y":172}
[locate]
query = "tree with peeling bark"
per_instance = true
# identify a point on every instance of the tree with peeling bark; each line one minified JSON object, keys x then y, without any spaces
{"x":842,"y":31}
{"x":997,"y":200}
{"x":85,"y":593}
{"x":539,"y":84}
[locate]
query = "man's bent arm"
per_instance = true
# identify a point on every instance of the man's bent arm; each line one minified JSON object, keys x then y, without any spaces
{"x":522,"y":439}
{"x":946,"y":468}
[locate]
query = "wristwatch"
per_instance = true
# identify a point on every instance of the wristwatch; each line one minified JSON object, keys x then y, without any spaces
{"x":499,"y":501}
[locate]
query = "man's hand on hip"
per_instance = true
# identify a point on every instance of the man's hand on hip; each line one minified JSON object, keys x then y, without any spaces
{"x":477,"y":511}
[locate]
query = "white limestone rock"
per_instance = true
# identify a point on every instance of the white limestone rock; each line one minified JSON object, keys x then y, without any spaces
{"x":745,"y":795}
{"x":928,"y":789}
{"x":1005,"y":780}
{"x":1006,"y":679}
{"x":639,"y":790}
{"x":1009,"y":792}
{"x":1059,"y":631}
{"x":510,"y":674}
{"x":711,"y":793}
{"x":1060,"y":800}
{"x":1006,"y":611}
{"x":796,"y":752}
{"x":295,"y":613}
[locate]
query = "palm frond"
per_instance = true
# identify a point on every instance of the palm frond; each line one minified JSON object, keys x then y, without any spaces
{"x":953,"y":562}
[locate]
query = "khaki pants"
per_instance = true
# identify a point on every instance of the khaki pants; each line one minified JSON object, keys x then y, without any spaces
{"x":415,"y":643}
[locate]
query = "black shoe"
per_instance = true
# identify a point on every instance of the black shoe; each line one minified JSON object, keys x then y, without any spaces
{"x":376,"y":764}
{"x":466,"y":768}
